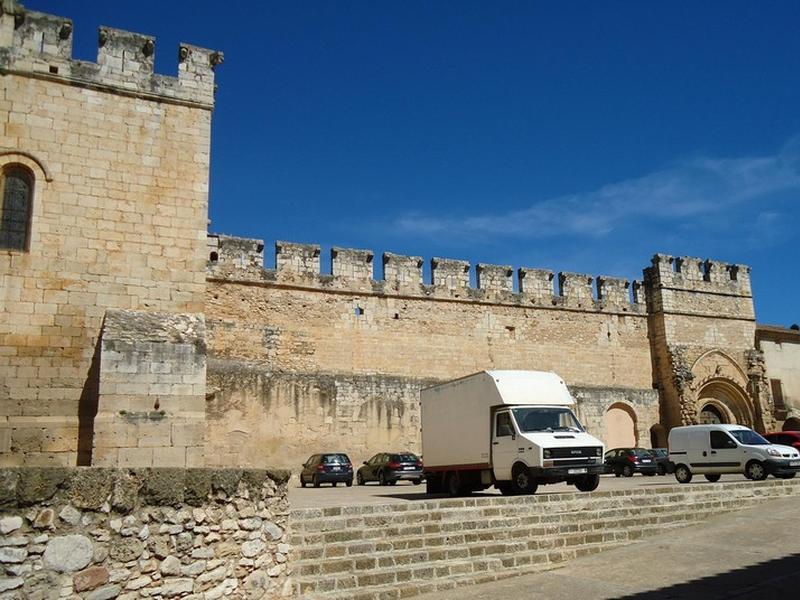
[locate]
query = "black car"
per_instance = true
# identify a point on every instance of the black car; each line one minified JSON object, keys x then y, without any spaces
{"x":330,"y":468}
{"x":663,"y":464}
{"x":388,"y":469}
{"x":627,"y":461}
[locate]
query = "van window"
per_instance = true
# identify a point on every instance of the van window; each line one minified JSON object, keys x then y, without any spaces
{"x":720,"y":440}
{"x":504,"y":426}
{"x":749,"y":437}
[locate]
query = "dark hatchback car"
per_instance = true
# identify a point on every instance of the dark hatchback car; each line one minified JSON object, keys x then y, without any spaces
{"x":388,"y":469}
{"x":662,"y":460}
{"x":627,"y":461}
{"x":330,"y":468}
{"x":785,"y":438}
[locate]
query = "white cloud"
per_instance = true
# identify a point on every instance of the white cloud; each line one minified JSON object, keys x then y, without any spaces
{"x":698,"y":187}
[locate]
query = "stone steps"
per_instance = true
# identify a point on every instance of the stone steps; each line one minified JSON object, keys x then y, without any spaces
{"x":398,"y":550}
{"x":586,"y":522}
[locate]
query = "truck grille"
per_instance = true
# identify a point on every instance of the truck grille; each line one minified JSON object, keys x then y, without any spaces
{"x":583,"y":452}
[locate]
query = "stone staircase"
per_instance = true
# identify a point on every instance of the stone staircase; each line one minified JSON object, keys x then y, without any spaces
{"x":383,"y":551}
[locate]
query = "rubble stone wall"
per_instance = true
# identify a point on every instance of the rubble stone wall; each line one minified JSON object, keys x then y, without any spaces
{"x":100,"y":534}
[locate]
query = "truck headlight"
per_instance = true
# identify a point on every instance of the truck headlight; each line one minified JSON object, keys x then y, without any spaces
{"x":773,"y":452}
{"x":598,"y":451}
{"x":547,"y":453}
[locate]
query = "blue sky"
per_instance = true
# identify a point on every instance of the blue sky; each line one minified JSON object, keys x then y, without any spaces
{"x":576,"y":136}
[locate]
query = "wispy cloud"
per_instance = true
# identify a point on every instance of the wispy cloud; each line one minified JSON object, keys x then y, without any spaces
{"x":701,"y":186}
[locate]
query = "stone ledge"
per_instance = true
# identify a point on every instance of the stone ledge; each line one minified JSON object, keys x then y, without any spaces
{"x":125,"y":490}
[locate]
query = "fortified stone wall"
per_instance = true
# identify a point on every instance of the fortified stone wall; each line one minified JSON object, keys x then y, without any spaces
{"x":781,"y":348}
{"x":119,"y":159}
{"x":302,"y":362}
{"x":90,"y":533}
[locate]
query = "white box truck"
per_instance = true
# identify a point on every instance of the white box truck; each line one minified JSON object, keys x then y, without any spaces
{"x":511,"y":429}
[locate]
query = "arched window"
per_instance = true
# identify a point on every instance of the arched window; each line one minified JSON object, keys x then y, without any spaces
{"x":15,"y":212}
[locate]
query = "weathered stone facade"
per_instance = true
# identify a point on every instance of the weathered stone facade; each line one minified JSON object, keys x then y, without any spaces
{"x":98,"y":533}
{"x":130,"y":337}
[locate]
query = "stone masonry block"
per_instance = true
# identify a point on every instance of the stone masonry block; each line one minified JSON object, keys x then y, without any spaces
{"x":537,"y":283}
{"x":494,"y":277}
{"x":613,"y":291}
{"x":402,"y":270}
{"x":576,"y":289}
{"x":450,"y":274}
{"x":349,"y":263}
{"x":298,"y":259}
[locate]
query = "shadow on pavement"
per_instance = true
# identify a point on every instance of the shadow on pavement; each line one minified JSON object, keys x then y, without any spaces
{"x":763,"y":581}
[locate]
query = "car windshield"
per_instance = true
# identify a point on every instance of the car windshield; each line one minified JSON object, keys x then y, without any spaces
{"x":748,"y":437}
{"x":335,"y":459}
{"x":546,"y":419}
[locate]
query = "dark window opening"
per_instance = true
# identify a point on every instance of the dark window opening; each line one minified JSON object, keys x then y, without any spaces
{"x":359,"y":311}
{"x":17,"y":184}
{"x":214,"y":257}
{"x":54,"y":70}
{"x":777,"y":394}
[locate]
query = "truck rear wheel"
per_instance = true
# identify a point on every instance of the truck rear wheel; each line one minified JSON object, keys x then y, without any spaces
{"x":454,"y":485}
{"x":588,"y":483}
{"x":521,"y":480}
{"x":433,"y":483}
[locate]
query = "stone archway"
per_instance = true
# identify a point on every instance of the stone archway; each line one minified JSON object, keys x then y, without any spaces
{"x":792,"y":424}
{"x":620,"y":426}
{"x":722,"y":401}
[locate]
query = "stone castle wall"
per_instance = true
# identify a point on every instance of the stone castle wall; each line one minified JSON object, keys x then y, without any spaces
{"x":120,"y":159}
{"x":141,"y":533}
{"x":302,"y":362}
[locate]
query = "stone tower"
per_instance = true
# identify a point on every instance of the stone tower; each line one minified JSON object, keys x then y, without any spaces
{"x":104,"y":169}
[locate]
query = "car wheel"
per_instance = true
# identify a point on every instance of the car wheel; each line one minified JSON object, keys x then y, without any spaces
{"x":521,"y":480}
{"x":302,"y":481}
{"x":393,"y":482}
{"x":333,"y":484}
{"x":650,"y":474}
{"x":683,"y":474}
{"x":349,"y":483}
{"x":627,"y":471}
{"x":712,"y":477}
{"x":359,"y":478}
{"x":316,"y":481}
{"x":588,"y":483}
{"x":417,"y":481}
{"x":662,"y":470}
{"x":381,"y":478}
{"x":755,"y":471}
{"x":786,"y":476}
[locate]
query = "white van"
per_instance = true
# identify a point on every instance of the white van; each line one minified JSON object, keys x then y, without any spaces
{"x":712,"y":450}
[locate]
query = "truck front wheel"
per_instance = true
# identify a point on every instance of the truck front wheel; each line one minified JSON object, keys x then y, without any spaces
{"x":588,"y":483}
{"x":521,"y":480}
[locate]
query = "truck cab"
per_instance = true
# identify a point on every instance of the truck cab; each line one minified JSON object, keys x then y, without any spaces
{"x":539,"y":444}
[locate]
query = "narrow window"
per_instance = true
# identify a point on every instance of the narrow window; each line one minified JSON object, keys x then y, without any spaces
{"x":17,"y":184}
{"x":777,"y":394}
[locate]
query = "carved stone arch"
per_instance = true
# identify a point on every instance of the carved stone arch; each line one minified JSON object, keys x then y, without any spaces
{"x":716,"y":364}
{"x":728,"y":399}
{"x":27,"y":159}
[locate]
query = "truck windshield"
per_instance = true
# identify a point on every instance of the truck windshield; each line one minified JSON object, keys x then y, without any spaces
{"x":748,"y":437}
{"x":546,"y":419}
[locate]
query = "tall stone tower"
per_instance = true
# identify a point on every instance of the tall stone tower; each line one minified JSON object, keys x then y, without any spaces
{"x":104,"y":175}
{"x":702,"y":335}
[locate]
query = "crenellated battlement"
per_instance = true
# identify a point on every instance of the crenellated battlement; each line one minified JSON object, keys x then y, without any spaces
{"x":695,"y":274}
{"x":40,"y":44}
{"x":353,"y":270}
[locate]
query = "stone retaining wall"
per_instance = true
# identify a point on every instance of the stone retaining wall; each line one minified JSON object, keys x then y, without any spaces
{"x":100,"y":534}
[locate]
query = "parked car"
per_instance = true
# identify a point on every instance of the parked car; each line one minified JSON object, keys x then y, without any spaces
{"x":662,"y":460}
{"x":711,"y":450}
{"x":627,"y":461}
{"x":387,"y":469}
{"x":332,"y":468}
{"x":785,"y":438}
